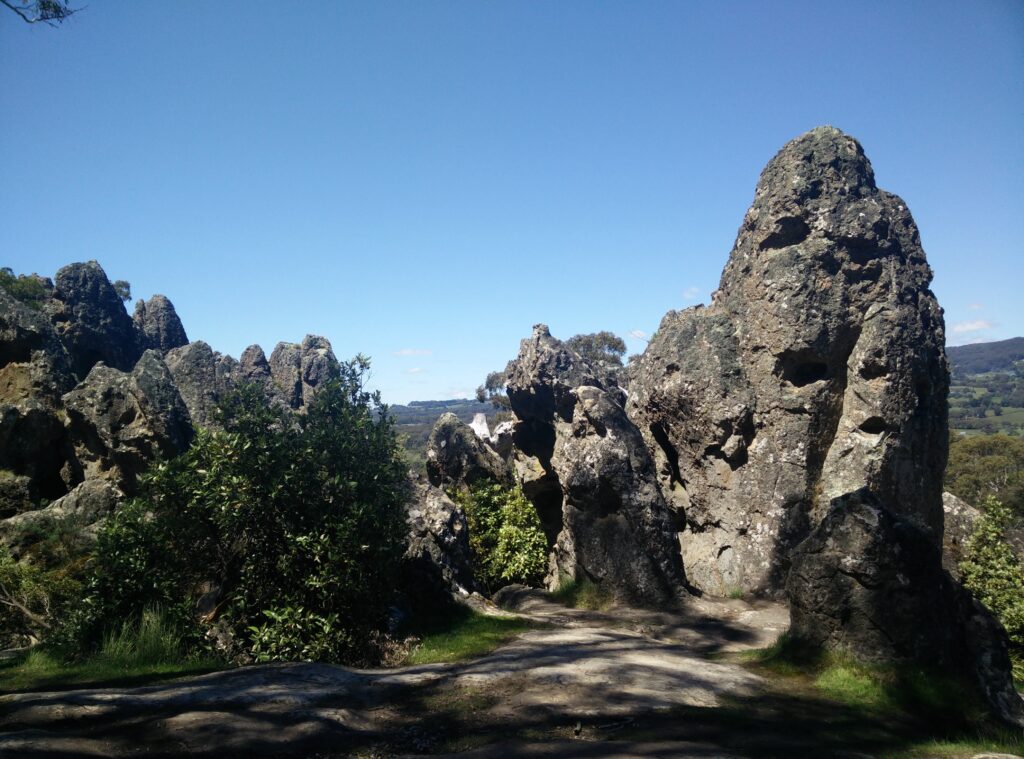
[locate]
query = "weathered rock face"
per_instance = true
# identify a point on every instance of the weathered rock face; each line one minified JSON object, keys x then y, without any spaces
{"x":297,"y":370}
{"x":202,"y":377}
{"x":158,"y":324}
{"x":960,"y":518}
{"x":456,"y":455}
{"x":870,"y":582}
{"x":90,"y":320}
{"x":437,"y":562}
{"x":119,"y":422}
{"x":818,"y":369}
{"x":611,"y":521}
{"x":253,"y":366}
{"x":82,"y":510}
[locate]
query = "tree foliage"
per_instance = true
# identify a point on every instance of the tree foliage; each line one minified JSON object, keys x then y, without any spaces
{"x":987,"y":466}
{"x":599,"y":347}
{"x":993,"y":572}
{"x":505,"y":536}
{"x":284,"y":530}
{"x":29,"y":289}
{"x":123,"y":289}
{"x":51,"y":12}
{"x":493,"y":390}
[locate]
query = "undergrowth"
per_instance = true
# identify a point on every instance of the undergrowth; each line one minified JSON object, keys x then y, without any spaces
{"x":583,"y":593}
{"x":463,"y":634}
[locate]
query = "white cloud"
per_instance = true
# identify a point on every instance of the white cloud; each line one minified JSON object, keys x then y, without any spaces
{"x":458,"y":393}
{"x":415,"y":370}
{"x":639,"y":334}
{"x":976,"y":306}
{"x":413,"y":352}
{"x":691,"y":293}
{"x":963,"y":328}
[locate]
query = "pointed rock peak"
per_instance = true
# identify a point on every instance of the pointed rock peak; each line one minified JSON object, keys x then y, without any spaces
{"x":158,"y":324}
{"x":315,"y":342}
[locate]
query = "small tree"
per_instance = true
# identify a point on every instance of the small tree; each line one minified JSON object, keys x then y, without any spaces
{"x":123,"y":289}
{"x":599,"y":347}
{"x":493,"y":390}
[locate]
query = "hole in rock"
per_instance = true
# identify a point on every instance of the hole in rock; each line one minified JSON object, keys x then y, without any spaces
{"x":789,"y":230}
{"x":873,"y":425}
{"x":801,"y":369}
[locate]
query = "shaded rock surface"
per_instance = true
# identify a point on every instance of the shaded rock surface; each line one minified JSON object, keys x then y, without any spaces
{"x":610,"y":521}
{"x":818,"y":369}
{"x":298,"y":369}
{"x":870,"y":582}
{"x":437,"y":563}
{"x":158,"y":324}
{"x":457,"y":455}
{"x":960,"y":518}
{"x":90,"y":319}
{"x":80,"y":511}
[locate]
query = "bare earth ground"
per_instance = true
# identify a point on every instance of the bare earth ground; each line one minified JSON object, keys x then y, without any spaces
{"x":619,"y":683}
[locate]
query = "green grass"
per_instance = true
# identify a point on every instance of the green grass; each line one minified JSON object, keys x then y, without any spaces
{"x":583,"y":594}
{"x":150,"y":650}
{"x":464,"y":634}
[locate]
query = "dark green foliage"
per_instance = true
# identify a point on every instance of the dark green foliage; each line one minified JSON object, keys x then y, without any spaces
{"x":285,"y":529}
{"x":123,"y":289}
{"x":599,"y":347}
{"x":987,"y":466}
{"x":29,"y":289}
{"x":505,"y":536}
{"x":493,"y":390}
{"x":993,"y":572}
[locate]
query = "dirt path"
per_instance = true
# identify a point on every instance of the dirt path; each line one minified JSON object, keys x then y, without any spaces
{"x":617,"y":683}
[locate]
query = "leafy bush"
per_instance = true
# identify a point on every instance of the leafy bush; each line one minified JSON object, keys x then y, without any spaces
{"x":992,"y":571}
{"x":284,"y":530}
{"x":28,"y":289}
{"x":986,"y":466}
{"x":505,"y":536}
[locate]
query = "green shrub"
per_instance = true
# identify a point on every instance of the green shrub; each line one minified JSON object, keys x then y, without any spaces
{"x":32,"y":595}
{"x":993,"y":572}
{"x":285,"y":530}
{"x":505,"y":536}
{"x":28,"y":289}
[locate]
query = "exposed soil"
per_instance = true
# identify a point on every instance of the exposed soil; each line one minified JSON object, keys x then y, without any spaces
{"x":621,"y":683}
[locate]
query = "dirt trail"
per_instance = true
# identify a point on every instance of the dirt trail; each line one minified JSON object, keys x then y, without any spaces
{"x":566,"y":689}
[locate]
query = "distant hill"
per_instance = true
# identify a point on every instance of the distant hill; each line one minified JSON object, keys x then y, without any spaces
{"x":985,"y":357}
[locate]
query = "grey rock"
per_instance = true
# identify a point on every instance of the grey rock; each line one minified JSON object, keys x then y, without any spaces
{"x":869,"y":581}
{"x":437,"y":564}
{"x":960,"y":518}
{"x":611,"y":523}
{"x":203,"y":377}
{"x":818,"y":369}
{"x":253,"y":365}
{"x":119,"y":422}
{"x":91,"y":321}
{"x":297,"y":370}
{"x":15,"y":494}
{"x":158,"y":324}
{"x":456,"y":456}
{"x":82,"y":511}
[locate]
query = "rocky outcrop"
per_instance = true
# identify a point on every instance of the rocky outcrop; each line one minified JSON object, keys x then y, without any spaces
{"x":870,"y":582}
{"x":297,"y":370}
{"x":253,"y":365}
{"x":612,"y":524}
{"x":457,"y":456}
{"x":158,"y":324}
{"x":202,"y":377}
{"x":119,"y":422}
{"x":80,"y":513}
{"x":960,"y":518}
{"x":818,"y":369}
{"x":437,"y":564}
{"x":90,"y":320}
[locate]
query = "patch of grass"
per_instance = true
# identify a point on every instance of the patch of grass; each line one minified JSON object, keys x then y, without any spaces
{"x":736,"y":593}
{"x":464,"y":634}
{"x":149,"y":650}
{"x":583,"y":594}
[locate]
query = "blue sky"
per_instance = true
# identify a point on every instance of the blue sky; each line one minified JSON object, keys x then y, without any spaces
{"x":423,"y":181}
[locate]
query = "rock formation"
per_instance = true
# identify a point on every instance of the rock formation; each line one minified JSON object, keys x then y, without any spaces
{"x":818,"y":369}
{"x":601,"y":496}
{"x":203,"y":377}
{"x":437,"y":563}
{"x":456,"y":455}
{"x":297,"y":370}
{"x":158,"y":324}
{"x":119,"y":422}
{"x":90,"y":320}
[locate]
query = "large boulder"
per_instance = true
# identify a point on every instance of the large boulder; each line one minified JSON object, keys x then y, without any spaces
{"x":437,"y":564}
{"x":202,"y":377}
{"x":298,"y":369}
{"x":35,"y":371}
{"x":457,"y":456}
{"x":869,"y":581}
{"x":80,"y":513}
{"x":119,"y":422}
{"x":612,"y":524}
{"x":91,"y":321}
{"x":818,"y":369}
{"x":158,"y":324}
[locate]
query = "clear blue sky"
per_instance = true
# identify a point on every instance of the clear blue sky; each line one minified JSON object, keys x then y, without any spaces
{"x":423,"y":181}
